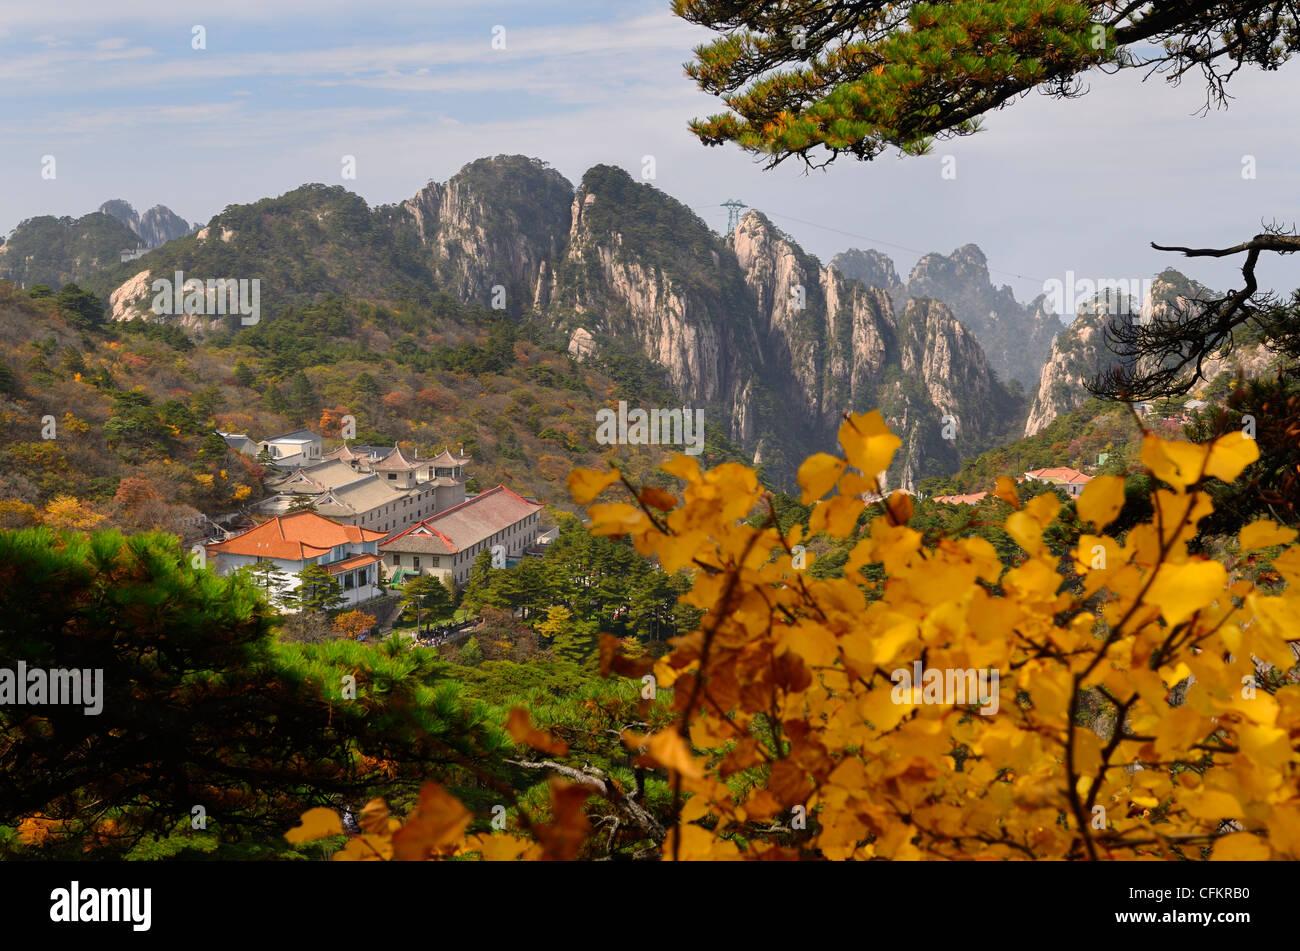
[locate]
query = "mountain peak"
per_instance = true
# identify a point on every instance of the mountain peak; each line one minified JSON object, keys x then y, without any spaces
{"x":873,"y":268}
{"x":156,"y":226}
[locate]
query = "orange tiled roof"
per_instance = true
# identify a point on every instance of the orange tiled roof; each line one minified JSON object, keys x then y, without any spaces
{"x":968,"y":499}
{"x":347,"y":564}
{"x":1062,"y":474}
{"x":294,"y":537}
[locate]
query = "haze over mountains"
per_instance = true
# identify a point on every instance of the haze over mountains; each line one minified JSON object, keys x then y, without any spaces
{"x":770,"y":342}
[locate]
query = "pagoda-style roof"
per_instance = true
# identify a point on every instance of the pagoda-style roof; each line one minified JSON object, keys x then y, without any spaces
{"x":445,"y":458}
{"x":398,"y":461}
{"x":345,"y":453}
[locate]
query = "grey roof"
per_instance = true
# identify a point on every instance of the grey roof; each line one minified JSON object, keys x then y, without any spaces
{"x":332,"y":473}
{"x":362,"y":495}
{"x":423,"y":543}
{"x":398,"y":461}
{"x":465,"y":525}
{"x":240,"y":442}
{"x":296,"y":434}
{"x":445,"y":458}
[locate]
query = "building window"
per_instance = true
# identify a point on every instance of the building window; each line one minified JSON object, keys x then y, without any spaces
{"x":435,"y":561}
{"x":348,"y":581}
{"x":397,"y":559}
{"x":415,"y":561}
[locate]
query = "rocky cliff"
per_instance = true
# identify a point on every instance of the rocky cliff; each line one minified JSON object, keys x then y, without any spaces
{"x":749,"y":327}
{"x":754,"y":328}
{"x":1081,"y":352}
{"x":872,"y":268}
{"x":497,"y":223}
{"x":1016,"y":337}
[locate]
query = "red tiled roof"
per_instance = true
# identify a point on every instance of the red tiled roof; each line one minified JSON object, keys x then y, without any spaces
{"x":1059,"y":474}
{"x":294,"y":537}
{"x":968,"y":499}
{"x":468,"y":523}
{"x":356,"y":561}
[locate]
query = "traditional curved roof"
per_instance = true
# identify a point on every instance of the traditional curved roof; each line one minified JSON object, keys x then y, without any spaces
{"x":294,"y":537}
{"x":445,"y":458}
{"x":345,"y":453}
{"x":327,"y":475}
{"x":397,"y":461}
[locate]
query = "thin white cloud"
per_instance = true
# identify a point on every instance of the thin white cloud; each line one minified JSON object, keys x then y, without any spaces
{"x":367,"y":65}
{"x":1083,"y":185}
{"x":87,"y":15}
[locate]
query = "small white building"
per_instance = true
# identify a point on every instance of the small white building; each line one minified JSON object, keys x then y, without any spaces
{"x":1071,"y":480}
{"x":294,"y":541}
{"x":302,"y":447}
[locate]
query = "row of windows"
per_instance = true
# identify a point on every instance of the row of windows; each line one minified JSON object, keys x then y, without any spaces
{"x":370,"y":518}
{"x":356,"y":579}
{"x":434,"y":560}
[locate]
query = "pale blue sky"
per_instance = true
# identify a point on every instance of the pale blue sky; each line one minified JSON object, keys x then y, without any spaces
{"x":414,"y":89}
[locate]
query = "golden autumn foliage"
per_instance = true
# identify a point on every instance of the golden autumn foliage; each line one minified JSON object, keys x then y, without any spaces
{"x":796,"y":737}
{"x":67,"y":512}
{"x":352,"y":624}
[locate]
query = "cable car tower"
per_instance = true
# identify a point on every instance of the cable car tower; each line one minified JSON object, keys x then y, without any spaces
{"x":733,"y":213}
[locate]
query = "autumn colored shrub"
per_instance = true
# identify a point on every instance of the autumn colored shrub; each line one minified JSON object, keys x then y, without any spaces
{"x":947,"y":715}
{"x":352,"y":624}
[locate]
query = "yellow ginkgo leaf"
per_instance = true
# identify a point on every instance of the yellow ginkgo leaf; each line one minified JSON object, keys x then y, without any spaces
{"x":1181,"y":590}
{"x":316,"y":824}
{"x":616,"y":518}
{"x":1240,"y":847}
{"x":868,"y":444}
{"x":670,"y":750}
{"x":586,"y":484}
{"x":1179,"y":464}
{"x":1265,"y":533}
{"x":1214,"y":804}
{"x":1230,"y":454}
{"x":818,"y":475}
{"x":1026,"y":532}
{"x":1005,"y":489}
{"x":683,"y":466}
{"x":1102,"y":500}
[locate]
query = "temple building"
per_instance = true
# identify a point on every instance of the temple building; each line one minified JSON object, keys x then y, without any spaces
{"x":379,"y":490}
